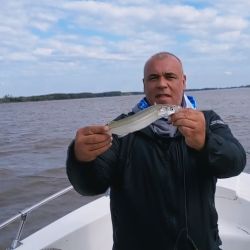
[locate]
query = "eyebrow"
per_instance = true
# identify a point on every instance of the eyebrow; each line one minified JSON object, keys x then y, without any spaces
{"x":169,"y":74}
{"x":153,"y":74}
{"x":164,"y":74}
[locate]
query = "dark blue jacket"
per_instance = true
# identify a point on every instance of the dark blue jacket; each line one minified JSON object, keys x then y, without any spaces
{"x":162,"y":191}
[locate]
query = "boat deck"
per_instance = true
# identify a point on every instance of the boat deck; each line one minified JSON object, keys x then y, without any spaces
{"x":89,"y":227}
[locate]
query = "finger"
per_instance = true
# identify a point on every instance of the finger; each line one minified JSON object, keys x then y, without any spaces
{"x":96,"y":138}
{"x":100,"y":151}
{"x":97,"y":146}
{"x":186,"y":131}
{"x":92,"y":134}
{"x":90,"y":130}
{"x":182,"y":122}
{"x":88,"y":152}
{"x":97,"y":151}
{"x":91,"y":155}
{"x":192,"y":138}
{"x":185,"y":114}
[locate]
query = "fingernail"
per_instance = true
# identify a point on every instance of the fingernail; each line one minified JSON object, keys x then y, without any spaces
{"x":106,"y":128}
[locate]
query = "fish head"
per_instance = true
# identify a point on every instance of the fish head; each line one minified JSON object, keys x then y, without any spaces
{"x":167,"y":110}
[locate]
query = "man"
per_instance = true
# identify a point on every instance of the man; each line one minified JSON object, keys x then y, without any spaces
{"x":162,"y":178}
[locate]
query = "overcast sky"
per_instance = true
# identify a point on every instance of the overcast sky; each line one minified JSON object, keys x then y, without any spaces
{"x":60,"y":46}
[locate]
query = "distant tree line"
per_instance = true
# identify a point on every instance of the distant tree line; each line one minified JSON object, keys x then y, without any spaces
{"x":59,"y":96}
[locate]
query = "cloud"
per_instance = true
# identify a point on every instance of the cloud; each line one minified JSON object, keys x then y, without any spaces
{"x":20,"y":56}
{"x":43,"y":51}
{"x":111,"y":18}
{"x":229,"y":73}
{"x":77,"y":37}
{"x":118,"y":26}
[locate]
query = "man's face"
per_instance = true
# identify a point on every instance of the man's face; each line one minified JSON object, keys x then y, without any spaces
{"x":164,"y":81}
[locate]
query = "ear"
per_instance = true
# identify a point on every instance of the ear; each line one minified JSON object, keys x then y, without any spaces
{"x":184,"y":81}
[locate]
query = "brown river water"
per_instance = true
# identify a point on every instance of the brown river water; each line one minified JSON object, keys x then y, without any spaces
{"x":34,"y":137}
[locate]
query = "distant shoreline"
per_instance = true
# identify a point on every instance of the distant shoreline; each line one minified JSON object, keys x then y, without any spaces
{"x":61,"y":96}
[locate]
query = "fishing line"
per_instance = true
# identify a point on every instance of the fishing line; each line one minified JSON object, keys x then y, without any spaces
{"x":188,"y":237}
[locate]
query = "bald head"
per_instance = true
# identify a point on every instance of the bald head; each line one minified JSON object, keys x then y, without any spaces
{"x":164,"y":80}
{"x":161,"y":56}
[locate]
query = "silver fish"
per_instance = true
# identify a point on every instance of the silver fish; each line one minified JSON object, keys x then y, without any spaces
{"x":142,"y":119}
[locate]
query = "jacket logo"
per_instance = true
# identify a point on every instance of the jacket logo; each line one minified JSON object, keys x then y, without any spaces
{"x":217,"y":122}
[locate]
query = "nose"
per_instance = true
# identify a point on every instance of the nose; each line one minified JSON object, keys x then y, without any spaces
{"x":162,"y":83}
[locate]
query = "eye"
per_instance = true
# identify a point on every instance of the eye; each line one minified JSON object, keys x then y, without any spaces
{"x":170,"y":76}
{"x":153,"y":77}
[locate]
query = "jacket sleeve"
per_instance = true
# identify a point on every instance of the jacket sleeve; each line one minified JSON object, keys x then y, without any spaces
{"x":95,"y":177}
{"x":224,"y":156}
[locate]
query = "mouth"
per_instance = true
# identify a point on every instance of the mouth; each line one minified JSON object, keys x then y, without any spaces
{"x":160,"y":96}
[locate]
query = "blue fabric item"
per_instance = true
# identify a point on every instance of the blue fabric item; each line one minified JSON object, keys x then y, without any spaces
{"x":192,"y":100}
{"x":143,"y":104}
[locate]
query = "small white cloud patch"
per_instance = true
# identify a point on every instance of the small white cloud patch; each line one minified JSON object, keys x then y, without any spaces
{"x":228,"y":73}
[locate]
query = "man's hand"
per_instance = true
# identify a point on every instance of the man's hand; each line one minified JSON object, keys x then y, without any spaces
{"x":91,"y":141}
{"x":191,"y":123}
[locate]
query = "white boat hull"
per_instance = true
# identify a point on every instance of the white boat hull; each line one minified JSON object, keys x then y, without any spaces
{"x":89,"y":227}
{"x":233,"y":206}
